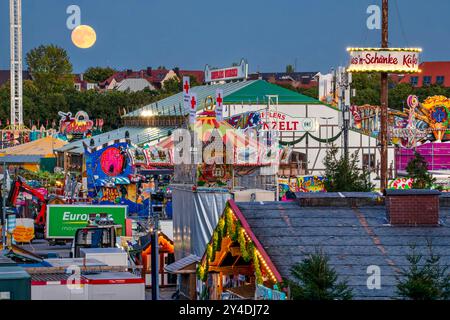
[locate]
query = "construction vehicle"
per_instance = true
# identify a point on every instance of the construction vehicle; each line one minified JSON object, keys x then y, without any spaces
{"x":19,"y":185}
{"x":100,"y":233}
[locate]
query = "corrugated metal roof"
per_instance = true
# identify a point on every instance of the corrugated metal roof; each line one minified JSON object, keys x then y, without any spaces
{"x":352,"y":238}
{"x":247,"y":92}
{"x":134,"y":85}
{"x":257,"y":92}
{"x":182,"y":263}
{"x":166,"y":106}
{"x":138,"y":135}
{"x":21,"y":159}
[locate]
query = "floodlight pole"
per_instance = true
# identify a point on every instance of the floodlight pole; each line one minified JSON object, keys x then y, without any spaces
{"x":384,"y":99}
{"x":155,"y":248}
{"x":4,"y":207}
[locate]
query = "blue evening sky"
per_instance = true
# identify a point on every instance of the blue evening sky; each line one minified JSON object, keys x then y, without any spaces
{"x":191,"y":33}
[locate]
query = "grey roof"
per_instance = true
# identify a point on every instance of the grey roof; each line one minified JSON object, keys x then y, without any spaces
{"x":182,"y":263}
{"x":166,"y":106}
{"x":21,"y":158}
{"x":134,"y":85}
{"x":288,"y":232}
{"x":138,"y":135}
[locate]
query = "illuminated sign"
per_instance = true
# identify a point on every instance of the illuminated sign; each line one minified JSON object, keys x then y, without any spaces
{"x":392,"y":60}
{"x":225,"y":74}
{"x":80,"y":125}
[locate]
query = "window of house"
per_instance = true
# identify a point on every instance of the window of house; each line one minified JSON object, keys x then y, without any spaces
{"x":426,"y":80}
{"x":414,"y":81}
{"x":440,"y":80}
{"x":77,"y":86}
{"x":368,"y":161}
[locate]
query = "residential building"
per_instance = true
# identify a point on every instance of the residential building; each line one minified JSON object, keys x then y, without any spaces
{"x":432,"y":73}
{"x":155,"y":77}
{"x":304,"y":80}
{"x":5,"y":76}
{"x":81,"y":84}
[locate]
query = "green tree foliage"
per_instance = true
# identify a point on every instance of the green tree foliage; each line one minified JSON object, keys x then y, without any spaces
{"x":98,"y":74}
{"x":312,"y":92}
{"x":425,"y":279}
{"x":398,"y":95}
{"x":290,"y":68}
{"x":367,"y":87}
{"x":342,"y":173}
{"x":52,"y":90}
{"x":50,"y":68}
{"x":314,"y":279}
{"x":173,"y":85}
{"x":417,"y":169}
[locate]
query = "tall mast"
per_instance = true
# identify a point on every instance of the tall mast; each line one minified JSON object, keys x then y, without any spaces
{"x":15,"y":9}
{"x":384,"y":100}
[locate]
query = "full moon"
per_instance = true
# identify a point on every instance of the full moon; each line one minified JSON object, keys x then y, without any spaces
{"x":84,"y":36}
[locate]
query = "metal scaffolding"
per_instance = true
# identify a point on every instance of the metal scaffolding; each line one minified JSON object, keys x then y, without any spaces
{"x":15,"y":9}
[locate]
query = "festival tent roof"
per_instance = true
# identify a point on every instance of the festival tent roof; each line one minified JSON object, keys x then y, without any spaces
{"x":44,"y":147}
{"x":138,"y":135}
{"x":257,"y":92}
{"x":246,"y":92}
{"x":207,"y":126}
{"x":173,"y":104}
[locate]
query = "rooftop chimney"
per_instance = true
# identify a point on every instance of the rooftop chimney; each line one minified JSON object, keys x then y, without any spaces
{"x":149,"y":71}
{"x":413,"y":207}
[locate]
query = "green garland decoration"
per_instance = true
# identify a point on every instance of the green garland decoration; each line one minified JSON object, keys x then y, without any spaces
{"x":243,"y":245}
{"x":228,"y":222}
{"x":227,"y":226}
{"x":258,"y":273}
{"x":307,"y":134}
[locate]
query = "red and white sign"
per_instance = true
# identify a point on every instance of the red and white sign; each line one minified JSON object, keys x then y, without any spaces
{"x":278,"y":121}
{"x":390,"y":60}
{"x":219,"y":105}
{"x":186,"y":93}
{"x":193,"y":108}
{"x":224,"y":74}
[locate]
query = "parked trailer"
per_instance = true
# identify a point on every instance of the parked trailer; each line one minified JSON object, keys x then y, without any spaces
{"x":92,"y":286}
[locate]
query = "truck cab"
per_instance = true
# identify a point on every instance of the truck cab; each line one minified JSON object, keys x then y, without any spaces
{"x":100,"y":233}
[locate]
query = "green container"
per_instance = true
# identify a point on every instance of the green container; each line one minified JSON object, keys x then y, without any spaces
{"x":15,"y":283}
{"x":6,"y":262}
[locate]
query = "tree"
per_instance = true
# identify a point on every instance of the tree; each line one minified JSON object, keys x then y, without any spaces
{"x":290,"y":68}
{"x":172,"y":85}
{"x":314,"y":279}
{"x":424,"y":281}
{"x":342,"y":173}
{"x":98,"y":74}
{"x":417,"y":169}
{"x":50,"y":68}
{"x":399,"y":94}
{"x":312,"y":92}
{"x":367,"y":87}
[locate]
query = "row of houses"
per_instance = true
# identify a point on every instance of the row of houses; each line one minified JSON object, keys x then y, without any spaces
{"x":432,"y":73}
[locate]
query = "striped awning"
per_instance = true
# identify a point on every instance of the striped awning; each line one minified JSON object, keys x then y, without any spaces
{"x":112,"y":181}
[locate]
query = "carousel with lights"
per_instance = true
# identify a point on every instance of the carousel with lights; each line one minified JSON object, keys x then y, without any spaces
{"x":225,"y":153}
{"x":422,"y":127}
